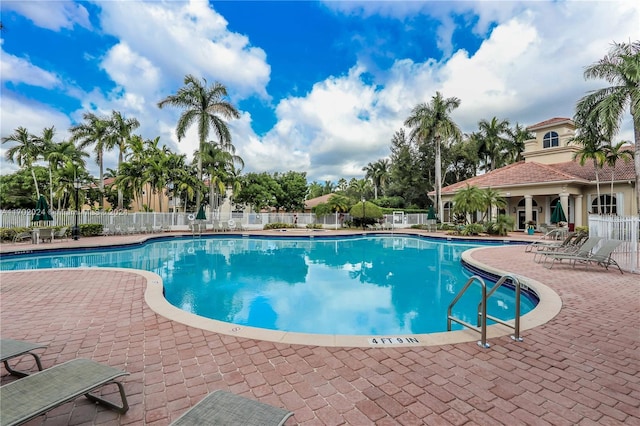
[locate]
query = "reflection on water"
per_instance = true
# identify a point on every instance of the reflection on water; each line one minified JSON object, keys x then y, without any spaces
{"x":380,"y":285}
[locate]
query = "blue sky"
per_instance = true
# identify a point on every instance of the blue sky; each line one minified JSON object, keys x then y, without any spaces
{"x":321,"y":86}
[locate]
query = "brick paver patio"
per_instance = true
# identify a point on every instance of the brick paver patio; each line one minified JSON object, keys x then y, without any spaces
{"x":581,"y":368}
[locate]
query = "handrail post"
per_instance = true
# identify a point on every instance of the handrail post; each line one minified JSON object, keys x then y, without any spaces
{"x":483,"y":326}
{"x":516,"y":334}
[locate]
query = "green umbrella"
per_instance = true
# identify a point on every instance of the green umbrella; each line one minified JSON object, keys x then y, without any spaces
{"x":201,"y":215}
{"x":558,"y":214}
{"x":431,"y":214}
{"x":42,"y":211}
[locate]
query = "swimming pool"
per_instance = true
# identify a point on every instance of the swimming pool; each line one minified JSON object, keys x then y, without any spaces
{"x":358,"y":285}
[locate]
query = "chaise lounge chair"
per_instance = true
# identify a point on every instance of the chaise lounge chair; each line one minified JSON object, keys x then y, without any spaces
{"x":583,"y":249}
{"x":10,"y":349}
{"x":571,"y":244}
{"x":224,"y":408}
{"x":38,"y":393}
{"x":601,"y":257}
{"x":544,"y":243}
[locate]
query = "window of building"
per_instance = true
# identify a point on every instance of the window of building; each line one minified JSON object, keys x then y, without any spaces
{"x":550,"y":139}
{"x":607,"y":203}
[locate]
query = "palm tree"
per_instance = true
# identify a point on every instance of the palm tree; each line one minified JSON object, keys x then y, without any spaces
{"x":328,"y":187}
{"x":621,"y":68}
{"x":613,"y":153}
{"x":590,"y":137}
{"x":433,"y":122}
{"x":516,"y":139}
{"x":378,"y":173}
{"x":469,"y":200}
{"x":46,"y":142}
{"x":220,"y":163}
{"x":93,"y":131}
{"x":119,"y":132}
{"x":493,"y":142}
{"x":25,"y":153}
{"x":202,"y":105}
{"x":58,"y":155}
{"x":492,"y":198}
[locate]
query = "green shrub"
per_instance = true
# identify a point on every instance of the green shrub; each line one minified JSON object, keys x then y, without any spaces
{"x":91,"y":229}
{"x":472,"y":229}
{"x":582,"y":229}
{"x":314,"y":226}
{"x":279,"y":225}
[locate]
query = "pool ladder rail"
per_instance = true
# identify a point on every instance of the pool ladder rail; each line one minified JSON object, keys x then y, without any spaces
{"x":481,"y":326}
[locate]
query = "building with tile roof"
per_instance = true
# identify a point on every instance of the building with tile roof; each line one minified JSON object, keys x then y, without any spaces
{"x":549,"y":173}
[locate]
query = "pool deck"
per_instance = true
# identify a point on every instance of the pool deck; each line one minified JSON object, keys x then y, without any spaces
{"x":580,"y":368}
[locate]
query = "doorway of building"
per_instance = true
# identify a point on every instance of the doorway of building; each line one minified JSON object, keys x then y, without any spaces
{"x":522,"y":223}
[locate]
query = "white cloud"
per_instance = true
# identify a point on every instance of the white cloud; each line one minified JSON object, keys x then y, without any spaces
{"x":529,"y":68}
{"x":181,"y":38}
{"x":19,"y":70}
{"x":19,"y":112}
{"x":53,"y":15}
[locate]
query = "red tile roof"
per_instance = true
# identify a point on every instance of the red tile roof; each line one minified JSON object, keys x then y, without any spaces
{"x":550,"y":122}
{"x":535,"y":173}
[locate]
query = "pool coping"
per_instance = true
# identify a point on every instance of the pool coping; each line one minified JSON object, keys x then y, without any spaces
{"x":548,"y":307}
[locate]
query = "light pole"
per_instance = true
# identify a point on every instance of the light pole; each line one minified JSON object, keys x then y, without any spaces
{"x":76,"y":230}
{"x":363,"y":213}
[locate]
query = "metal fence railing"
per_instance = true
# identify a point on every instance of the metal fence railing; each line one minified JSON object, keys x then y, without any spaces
{"x":623,"y":228}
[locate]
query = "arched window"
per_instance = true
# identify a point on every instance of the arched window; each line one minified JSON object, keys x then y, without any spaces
{"x":550,"y":140}
{"x":608,"y":204}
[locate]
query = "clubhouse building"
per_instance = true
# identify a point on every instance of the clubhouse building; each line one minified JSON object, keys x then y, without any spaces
{"x":549,"y":174}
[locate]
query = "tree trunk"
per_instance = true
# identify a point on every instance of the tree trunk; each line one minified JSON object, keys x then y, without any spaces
{"x":35,"y":181}
{"x":438,"y":176}
{"x":101,"y":183}
{"x":595,"y":165}
{"x":636,"y":132}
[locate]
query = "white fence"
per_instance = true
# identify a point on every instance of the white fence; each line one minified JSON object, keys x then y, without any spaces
{"x":180,"y":221}
{"x":626,"y":229}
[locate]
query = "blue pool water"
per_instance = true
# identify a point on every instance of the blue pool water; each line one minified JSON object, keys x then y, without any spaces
{"x":375,"y":285}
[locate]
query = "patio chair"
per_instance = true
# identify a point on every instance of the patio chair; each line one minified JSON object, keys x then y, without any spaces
{"x":545,"y":245}
{"x":232,"y":225}
{"x":22,"y":236}
{"x":583,"y":249}
{"x":61,"y":234}
{"x":46,"y":234}
{"x":10,"y":349}
{"x":38,"y":393}
{"x":224,"y":408}
{"x":601,"y":257}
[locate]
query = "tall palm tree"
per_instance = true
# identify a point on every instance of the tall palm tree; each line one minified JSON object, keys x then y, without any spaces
{"x":613,"y":153}
{"x":433,"y":122}
{"x":378,"y":173}
{"x":621,"y":68}
{"x":328,"y":187}
{"x":591,"y":140}
{"x":493,"y":141}
{"x":516,"y":139}
{"x":93,"y":131}
{"x":203,"y":105}
{"x":220,"y":163}
{"x":119,"y":131}
{"x":58,"y":155}
{"x":46,"y":143}
{"x":25,"y":153}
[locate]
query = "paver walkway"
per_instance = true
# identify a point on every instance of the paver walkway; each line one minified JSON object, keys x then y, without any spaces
{"x":581,"y":368}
